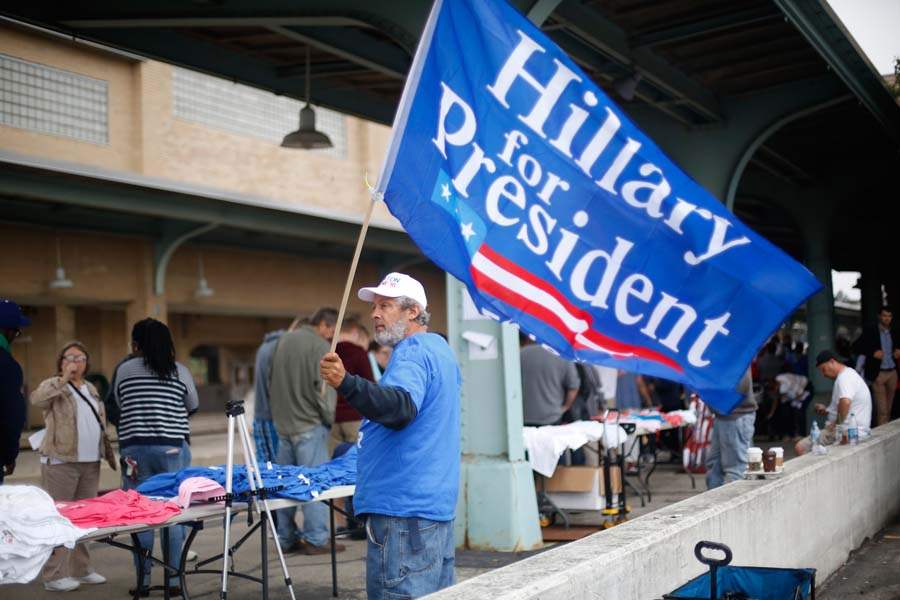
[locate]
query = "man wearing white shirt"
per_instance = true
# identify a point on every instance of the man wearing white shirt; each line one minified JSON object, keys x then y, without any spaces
{"x":850,"y":394}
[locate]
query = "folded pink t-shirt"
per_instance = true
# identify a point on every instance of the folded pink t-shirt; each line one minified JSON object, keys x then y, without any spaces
{"x":198,"y":489}
{"x":119,"y":507}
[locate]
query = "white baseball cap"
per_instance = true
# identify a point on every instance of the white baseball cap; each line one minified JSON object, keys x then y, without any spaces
{"x":395,"y":285}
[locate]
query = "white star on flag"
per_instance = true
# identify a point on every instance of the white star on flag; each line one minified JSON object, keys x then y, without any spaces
{"x":445,"y":192}
{"x":467,"y":231}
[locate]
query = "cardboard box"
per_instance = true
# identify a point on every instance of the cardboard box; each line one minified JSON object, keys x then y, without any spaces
{"x":580,"y":488}
{"x":582,"y":479}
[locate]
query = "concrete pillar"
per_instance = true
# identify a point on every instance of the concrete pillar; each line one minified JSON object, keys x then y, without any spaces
{"x":870,"y":296}
{"x":65,"y":325}
{"x":820,"y":307}
{"x":112,"y":347}
{"x":145,"y":302}
{"x":497,"y":507}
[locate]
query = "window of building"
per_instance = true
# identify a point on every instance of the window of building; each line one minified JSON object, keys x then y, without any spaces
{"x":49,"y":100}
{"x":246,"y":110}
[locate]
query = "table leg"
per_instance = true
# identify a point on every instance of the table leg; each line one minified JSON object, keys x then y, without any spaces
{"x":681,"y":444}
{"x":164,"y":542}
{"x":264,"y":554}
{"x":334,"y":590}
{"x":140,"y":554}
{"x":182,"y":563}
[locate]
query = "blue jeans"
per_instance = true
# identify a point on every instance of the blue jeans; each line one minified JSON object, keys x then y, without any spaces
{"x":726,"y":460}
{"x":266,"y":439}
{"x":309,"y":449}
{"x":399,"y":568}
{"x":152,"y":460}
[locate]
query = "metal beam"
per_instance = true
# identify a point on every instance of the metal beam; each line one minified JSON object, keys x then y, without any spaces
{"x":540,"y":10}
{"x":174,"y":235}
{"x":703,"y":27}
{"x":322,"y":69}
{"x":177,"y":48}
{"x":824,"y":31}
{"x":235,"y":21}
{"x":594,"y":60}
{"x":341,"y":43}
{"x":162,"y":205}
{"x":612,"y":41}
{"x":797,"y":169}
{"x":765,"y":134}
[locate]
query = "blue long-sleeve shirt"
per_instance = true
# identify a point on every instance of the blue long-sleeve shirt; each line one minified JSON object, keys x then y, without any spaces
{"x":409,"y":446}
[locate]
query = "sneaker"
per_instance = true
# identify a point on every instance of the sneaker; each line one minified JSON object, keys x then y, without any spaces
{"x":92,"y":578}
{"x":191,"y":556}
{"x":143,"y":593}
{"x":65,"y":584}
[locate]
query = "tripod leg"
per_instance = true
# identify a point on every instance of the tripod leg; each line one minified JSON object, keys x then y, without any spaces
{"x":266,"y":512}
{"x":229,"y":468}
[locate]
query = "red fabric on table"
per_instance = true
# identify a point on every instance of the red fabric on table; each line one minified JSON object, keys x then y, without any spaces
{"x":356,"y":362}
{"x":119,"y":507}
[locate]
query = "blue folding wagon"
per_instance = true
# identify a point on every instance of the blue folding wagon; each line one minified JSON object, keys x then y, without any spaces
{"x":725,"y":582}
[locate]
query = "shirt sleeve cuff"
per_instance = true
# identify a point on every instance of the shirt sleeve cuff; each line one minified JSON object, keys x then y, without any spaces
{"x":347,"y":385}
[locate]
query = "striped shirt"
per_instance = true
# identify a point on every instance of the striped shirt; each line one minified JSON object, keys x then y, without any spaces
{"x":153,"y":410}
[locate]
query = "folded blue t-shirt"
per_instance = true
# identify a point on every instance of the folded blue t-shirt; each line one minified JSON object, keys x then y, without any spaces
{"x":297,"y":482}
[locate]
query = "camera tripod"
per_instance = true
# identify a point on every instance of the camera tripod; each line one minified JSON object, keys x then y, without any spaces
{"x":235,"y":414}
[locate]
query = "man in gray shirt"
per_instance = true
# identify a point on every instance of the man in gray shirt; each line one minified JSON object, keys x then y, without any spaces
{"x":549,"y":385}
{"x":303,"y":416}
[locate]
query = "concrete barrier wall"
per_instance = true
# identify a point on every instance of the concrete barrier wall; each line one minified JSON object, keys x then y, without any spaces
{"x":821,"y":509}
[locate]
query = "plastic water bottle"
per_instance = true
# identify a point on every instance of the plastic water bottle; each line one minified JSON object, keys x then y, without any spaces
{"x":852,"y":430}
{"x":815,"y":437}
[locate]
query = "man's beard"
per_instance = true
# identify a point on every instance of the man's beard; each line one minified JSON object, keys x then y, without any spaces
{"x":391,"y":335}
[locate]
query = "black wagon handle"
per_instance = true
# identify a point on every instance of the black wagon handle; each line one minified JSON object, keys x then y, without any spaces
{"x":708,"y":560}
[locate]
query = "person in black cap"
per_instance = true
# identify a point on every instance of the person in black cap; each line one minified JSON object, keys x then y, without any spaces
{"x":11,"y":399}
{"x":850,"y":395}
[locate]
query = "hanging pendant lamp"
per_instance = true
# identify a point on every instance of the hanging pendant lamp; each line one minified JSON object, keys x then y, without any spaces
{"x":60,"y":282}
{"x":307,"y":137}
{"x":203,"y":290}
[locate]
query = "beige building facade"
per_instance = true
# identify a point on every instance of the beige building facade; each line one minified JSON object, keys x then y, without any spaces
{"x":139,"y":178}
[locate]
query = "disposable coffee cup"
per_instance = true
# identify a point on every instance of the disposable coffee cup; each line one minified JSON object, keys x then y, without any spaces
{"x":754,"y":459}
{"x":779,"y":457}
{"x":769,"y":461}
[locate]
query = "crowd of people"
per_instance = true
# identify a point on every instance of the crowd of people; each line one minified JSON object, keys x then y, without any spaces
{"x":400,"y":391}
{"x":776,"y":392}
{"x":149,"y":402}
{"x":557,"y":391}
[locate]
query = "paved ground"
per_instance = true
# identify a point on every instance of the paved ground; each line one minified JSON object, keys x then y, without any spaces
{"x":873,"y":570}
{"x":311,"y":575}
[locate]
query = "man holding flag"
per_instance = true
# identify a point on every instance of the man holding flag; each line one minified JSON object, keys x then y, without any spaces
{"x":408,"y":468}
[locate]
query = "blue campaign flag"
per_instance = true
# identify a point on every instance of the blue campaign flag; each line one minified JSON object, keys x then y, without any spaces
{"x":515,"y":173}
